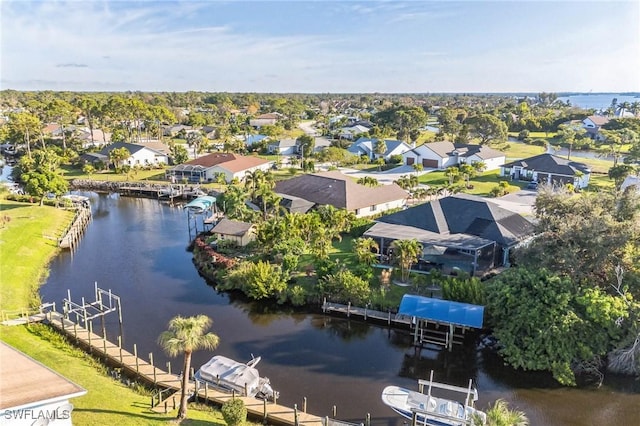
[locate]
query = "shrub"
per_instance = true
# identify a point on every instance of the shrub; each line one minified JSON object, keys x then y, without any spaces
{"x":234,"y":412}
{"x":297,"y":295}
{"x":463,"y":289}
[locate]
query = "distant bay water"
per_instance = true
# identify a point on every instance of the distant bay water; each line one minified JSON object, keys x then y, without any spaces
{"x":599,"y":101}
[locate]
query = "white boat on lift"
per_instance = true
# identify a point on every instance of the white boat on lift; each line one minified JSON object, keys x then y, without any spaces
{"x":225,"y":373}
{"x":437,"y":411}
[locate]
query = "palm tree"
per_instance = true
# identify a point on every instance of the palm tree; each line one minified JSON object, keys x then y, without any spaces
{"x":406,"y":253}
{"x":185,"y":335}
{"x":253,"y":180}
{"x":364,"y":250}
{"x":500,"y":415}
{"x":452,"y":173}
{"x":622,"y":108}
{"x":635,"y":108}
{"x":368,"y":181}
{"x":194,"y":139}
{"x":380,"y":148}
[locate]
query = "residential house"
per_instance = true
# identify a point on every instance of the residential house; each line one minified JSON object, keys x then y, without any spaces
{"x":208,"y":167}
{"x":350,"y":132}
{"x":268,"y":119}
{"x":252,"y":139}
{"x":141,"y":155}
{"x":548,"y":169}
{"x":99,"y":137}
{"x":460,"y":233}
{"x":440,"y":155}
{"x":593,"y":124}
{"x":33,"y":392}
{"x":240,"y":233}
{"x":173,"y":130}
{"x":294,"y":204}
{"x":367,"y":147}
{"x":283,"y":147}
{"x":338,"y":190}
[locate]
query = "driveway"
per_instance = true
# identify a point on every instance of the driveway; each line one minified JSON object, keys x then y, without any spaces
{"x":521,"y":202}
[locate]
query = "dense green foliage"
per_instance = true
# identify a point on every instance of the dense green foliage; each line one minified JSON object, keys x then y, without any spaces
{"x":234,"y":412}
{"x":463,"y":289}
{"x":544,"y":323}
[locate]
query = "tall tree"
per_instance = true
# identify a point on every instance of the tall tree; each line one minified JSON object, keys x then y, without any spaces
{"x":186,"y":335}
{"x":365,"y":250}
{"x":194,"y":140}
{"x":23,"y":126}
{"x":570,"y":135}
{"x":63,"y":113}
{"x":406,"y":253}
{"x":488,"y":128}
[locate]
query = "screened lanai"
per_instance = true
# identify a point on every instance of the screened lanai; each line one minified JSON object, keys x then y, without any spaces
{"x":449,"y":253}
{"x":191,"y":173}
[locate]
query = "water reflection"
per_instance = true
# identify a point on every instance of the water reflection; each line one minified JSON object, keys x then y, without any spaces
{"x":138,"y":248}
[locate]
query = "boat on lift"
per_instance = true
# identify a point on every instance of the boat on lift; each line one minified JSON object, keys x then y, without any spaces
{"x":224,"y":373}
{"x":429,"y":409}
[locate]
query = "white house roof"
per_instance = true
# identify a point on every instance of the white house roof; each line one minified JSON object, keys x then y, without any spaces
{"x":26,"y":383}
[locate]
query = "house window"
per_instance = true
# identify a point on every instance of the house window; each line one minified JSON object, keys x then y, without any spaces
{"x":357,"y":212}
{"x":374,"y":208}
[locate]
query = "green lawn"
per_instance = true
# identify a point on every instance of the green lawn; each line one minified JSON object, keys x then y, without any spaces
{"x":28,"y":240}
{"x":516,"y":151}
{"x":107,"y":401}
{"x":482,"y":184}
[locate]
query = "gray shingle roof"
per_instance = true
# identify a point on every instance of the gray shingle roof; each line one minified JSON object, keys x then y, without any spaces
{"x":445,"y":149}
{"x":231,"y":227}
{"x":334,"y":188}
{"x":465,"y":214}
{"x":549,"y":163}
{"x":295,"y":204}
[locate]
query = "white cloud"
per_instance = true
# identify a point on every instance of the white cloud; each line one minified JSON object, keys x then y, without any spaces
{"x":415,"y":46}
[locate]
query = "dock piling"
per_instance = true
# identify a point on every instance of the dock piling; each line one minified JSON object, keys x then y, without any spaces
{"x":135,"y":354}
{"x":155,"y":380}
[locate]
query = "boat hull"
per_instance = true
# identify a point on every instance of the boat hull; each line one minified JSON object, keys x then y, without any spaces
{"x":430,"y":410}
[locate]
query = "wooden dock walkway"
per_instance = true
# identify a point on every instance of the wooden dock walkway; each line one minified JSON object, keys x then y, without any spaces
{"x":269,"y":412}
{"x":76,"y":229}
{"x":365,"y":314}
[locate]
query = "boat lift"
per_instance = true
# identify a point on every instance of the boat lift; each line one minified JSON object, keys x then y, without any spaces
{"x":105,"y":303}
{"x":204,"y":208}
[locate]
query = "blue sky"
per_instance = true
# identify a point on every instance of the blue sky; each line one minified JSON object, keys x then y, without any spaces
{"x":321,"y":46}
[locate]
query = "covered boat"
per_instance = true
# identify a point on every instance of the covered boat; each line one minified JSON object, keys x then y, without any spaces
{"x":225,"y":373}
{"x":437,"y":411}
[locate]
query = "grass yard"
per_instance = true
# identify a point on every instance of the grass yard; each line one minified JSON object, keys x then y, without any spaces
{"x":154,"y":175}
{"x":107,"y":400}
{"x":517,"y":150}
{"x":482,"y":184}
{"x":28,"y":241}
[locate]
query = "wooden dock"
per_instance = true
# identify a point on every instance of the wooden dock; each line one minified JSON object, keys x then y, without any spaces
{"x":73,"y":234}
{"x":365,"y":314}
{"x":131,"y":363}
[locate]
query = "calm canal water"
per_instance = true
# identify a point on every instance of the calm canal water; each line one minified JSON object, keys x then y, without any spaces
{"x":137,"y":248}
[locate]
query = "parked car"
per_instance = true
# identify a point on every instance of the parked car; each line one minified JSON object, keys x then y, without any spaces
{"x":532,"y":185}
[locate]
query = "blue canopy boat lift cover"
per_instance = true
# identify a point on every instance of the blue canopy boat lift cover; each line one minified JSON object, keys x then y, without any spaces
{"x":203,"y":207}
{"x":423,"y":310}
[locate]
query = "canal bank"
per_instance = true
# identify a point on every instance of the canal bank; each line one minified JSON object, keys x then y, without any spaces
{"x":136,"y":247}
